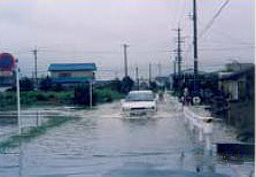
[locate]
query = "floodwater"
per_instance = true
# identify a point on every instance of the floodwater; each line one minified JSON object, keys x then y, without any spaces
{"x":102,"y":143}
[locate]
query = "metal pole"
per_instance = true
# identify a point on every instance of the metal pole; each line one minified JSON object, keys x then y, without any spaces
{"x":150,"y":72}
{"x":18,"y":95}
{"x":36,"y":79}
{"x":208,"y":128}
{"x":159,"y":69}
{"x":125,"y":61}
{"x":200,"y":134}
{"x":137,"y":78}
{"x":91,"y":94}
{"x":195,"y":46}
{"x":174,"y":67}
{"x":38,"y":118}
{"x":179,"y":53}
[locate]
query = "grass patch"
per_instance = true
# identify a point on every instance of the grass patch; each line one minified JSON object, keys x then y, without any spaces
{"x":15,"y":140}
{"x":34,"y":98}
{"x":107,"y":95}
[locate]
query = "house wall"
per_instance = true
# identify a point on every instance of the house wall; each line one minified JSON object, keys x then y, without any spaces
{"x":236,"y":88}
{"x":60,"y":74}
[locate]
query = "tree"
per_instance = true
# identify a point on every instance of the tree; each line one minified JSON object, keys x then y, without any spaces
{"x":116,"y":85}
{"x":127,"y":84}
{"x":153,"y":86}
{"x":45,"y":84}
{"x":26,"y":84}
{"x":57,"y":87}
{"x":82,"y":95}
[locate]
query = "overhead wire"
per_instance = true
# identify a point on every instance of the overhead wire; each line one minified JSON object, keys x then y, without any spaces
{"x":215,"y":16}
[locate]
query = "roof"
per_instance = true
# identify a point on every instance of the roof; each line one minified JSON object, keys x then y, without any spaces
{"x":191,"y":71}
{"x":141,"y":91}
{"x":72,"y":67}
{"x":237,"y":74}
{"x":235,"y":66}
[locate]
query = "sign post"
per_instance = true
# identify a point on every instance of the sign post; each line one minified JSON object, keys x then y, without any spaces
{"x":18,"y":94}
{"x":91,"y":94}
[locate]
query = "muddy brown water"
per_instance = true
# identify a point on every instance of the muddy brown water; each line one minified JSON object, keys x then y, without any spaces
{"x":103,"y":143}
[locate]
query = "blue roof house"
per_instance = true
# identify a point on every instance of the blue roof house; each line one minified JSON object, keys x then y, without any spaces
{"x":72,"y":73}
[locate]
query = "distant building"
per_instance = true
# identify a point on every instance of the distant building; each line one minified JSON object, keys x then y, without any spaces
{"x":72,"y":73}
{"x":236,"y":66}
{"x":238,"y":81}
{"x":162,"y":81}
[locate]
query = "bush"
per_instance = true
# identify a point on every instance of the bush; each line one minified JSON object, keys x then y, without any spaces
{"x":45,"y":84}
{"x":26,"y":84}
{"x":82,"y":95}
{"x":107,"y":95}
{"x":41,"y":97}
{"x":126,"y":85}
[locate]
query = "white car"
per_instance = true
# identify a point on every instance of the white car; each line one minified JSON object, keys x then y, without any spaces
{"x":139,"y":103}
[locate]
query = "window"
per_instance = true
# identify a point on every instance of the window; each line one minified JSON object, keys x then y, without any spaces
{"x":64,"y":75}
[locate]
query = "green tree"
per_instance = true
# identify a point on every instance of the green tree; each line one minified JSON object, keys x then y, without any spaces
{"x":45,"y":84}
{"x":116,"y":85}
{"x":127,"y":84}
{"x":26,"y":84}
{"x":82,"y":95}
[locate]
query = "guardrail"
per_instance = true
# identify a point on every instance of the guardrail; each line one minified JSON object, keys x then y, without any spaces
{"x":201,"y":125}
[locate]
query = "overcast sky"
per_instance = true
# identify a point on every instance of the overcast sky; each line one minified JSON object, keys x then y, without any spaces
{"x":95,"y":30}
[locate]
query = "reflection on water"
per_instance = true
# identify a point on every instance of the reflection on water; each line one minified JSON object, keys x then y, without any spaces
{"x":99,"y":144}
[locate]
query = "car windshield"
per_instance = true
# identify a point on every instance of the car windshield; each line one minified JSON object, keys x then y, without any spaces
{"x":140,"y":96}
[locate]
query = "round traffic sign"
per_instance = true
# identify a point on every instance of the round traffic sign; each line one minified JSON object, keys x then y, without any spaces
{"x":7,"y":62}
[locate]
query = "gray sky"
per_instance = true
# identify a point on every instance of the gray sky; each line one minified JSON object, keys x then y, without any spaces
{"x":94,"y":31}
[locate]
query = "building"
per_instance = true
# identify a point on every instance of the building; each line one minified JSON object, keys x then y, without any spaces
{"x":237,"y":81}
{"x":72,"y":73}
{"x":162,"y":81}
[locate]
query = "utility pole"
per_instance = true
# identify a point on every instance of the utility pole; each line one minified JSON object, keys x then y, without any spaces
{"x":150,"y":72}
{"x":159,"y":69}
{"x":179,"y":53}
{"x":18,"y":94}
{"x":125,"y":60}
{"x":35,"y":57}
{"x":174,"y":74}
{"x":91,"y":94}
{"x":174,"y":67}
{"x":137,"y":78}
{"x":195,"y":46}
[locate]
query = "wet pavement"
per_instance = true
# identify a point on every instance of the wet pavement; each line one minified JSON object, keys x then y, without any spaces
{"x":103,"y":143}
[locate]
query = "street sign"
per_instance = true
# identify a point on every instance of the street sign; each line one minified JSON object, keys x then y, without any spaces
{"x":7,"y":62}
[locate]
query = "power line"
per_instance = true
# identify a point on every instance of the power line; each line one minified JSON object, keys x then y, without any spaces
{"x":181,"y":12}
{"x":208,"y":26}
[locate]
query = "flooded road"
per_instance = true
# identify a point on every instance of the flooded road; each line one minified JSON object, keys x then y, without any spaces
{"x":102,"y":143}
